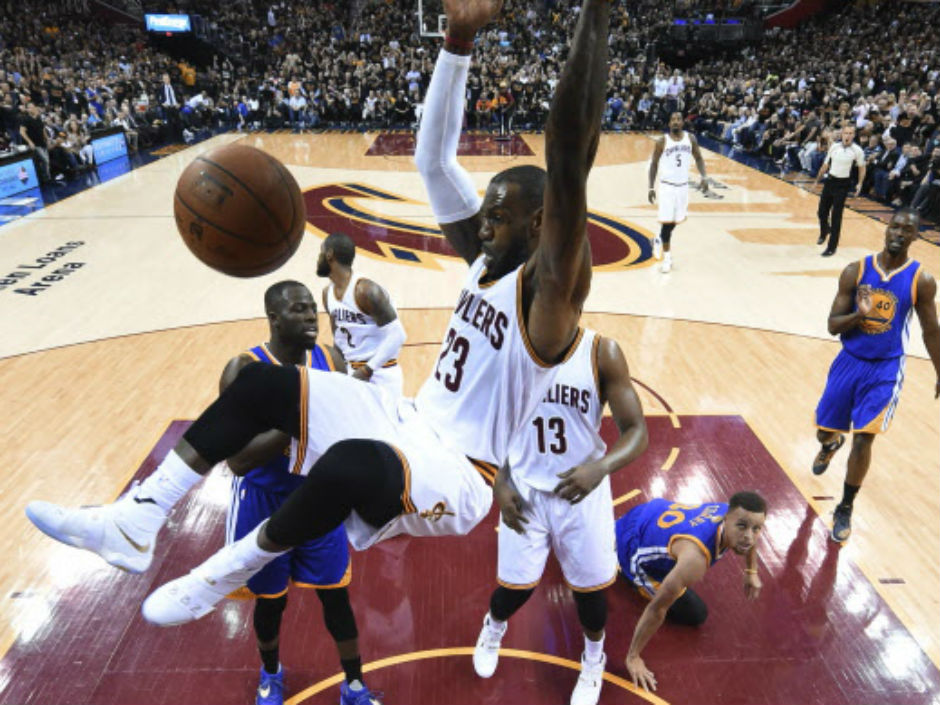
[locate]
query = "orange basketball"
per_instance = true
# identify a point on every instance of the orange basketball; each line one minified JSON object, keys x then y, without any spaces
{"x":239,"y":211}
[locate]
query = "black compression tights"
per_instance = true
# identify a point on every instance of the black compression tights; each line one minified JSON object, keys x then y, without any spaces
{"x":665,"y":232}
{"x":261,"y":398}
{"x":365,"y":476}
{"x":504,"y":602}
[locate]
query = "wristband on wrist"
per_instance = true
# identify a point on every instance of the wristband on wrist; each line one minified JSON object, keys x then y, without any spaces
{"x":460,"y":44}
{"x":752,"y":571}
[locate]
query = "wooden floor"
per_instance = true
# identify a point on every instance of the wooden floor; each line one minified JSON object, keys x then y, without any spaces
{"x":95,"y":366}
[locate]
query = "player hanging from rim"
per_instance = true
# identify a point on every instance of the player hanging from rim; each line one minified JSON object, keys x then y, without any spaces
{"x":421,"y":471}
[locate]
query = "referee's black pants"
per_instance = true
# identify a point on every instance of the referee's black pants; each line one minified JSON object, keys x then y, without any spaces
{"x":832,"y":200}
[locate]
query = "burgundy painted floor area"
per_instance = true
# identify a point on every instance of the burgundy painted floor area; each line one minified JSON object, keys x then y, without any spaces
{"x":819,"y":633}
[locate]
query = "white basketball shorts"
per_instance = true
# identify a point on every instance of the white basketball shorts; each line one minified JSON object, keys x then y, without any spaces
{"x":582,"y":536}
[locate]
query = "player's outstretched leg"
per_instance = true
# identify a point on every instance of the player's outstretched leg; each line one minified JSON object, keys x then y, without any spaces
{"x":353,"y":475}
{"x":124,"y":532}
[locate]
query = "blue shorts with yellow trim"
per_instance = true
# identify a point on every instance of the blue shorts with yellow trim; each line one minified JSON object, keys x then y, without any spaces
{"x":321,"y":563}
{"x":860,"y":395}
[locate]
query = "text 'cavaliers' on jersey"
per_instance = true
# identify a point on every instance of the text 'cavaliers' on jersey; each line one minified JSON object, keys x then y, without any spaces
{"x":487,"y":380}
{"x":565,"y":429}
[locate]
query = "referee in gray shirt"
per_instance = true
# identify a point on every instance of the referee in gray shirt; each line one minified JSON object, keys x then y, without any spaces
{"x":838,"y":165}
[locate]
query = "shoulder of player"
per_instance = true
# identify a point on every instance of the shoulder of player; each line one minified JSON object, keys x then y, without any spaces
{"x":368,"y":294}
{"x":926,"y":284}
{"x":234,"y":366}
{"x":326,"y":295}
{"x":849,"y":275}
{"x":688,"y":553}
{"x":611,"y":362}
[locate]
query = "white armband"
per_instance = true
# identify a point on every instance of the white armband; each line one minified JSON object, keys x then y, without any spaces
{"x":393,"y":337}
{"x":450,"y":187}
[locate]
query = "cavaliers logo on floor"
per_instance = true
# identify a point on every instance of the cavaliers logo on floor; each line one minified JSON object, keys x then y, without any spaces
{"x":355,"y":210}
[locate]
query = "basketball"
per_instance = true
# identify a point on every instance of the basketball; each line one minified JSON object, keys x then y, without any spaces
{"x":239,"y":210}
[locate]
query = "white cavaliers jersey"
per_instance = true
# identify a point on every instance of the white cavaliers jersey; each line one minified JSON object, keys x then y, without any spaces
{"x":675,"y":161}
{"x":356,"y":335}
{"x":486,"y":381}
{"x":565,"y":430}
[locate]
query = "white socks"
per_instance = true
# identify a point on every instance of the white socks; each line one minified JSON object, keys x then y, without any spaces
{"x":450,"y":188}
{"x":245,"y":553}
{"x":593,"y":650}
{"x":169,"y":482}
{"x":495,"y":624}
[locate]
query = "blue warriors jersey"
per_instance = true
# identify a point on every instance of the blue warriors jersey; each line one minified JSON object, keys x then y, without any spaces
{"x":321,"y":563}
{"x":276,"y":476}
{"x":645,"y":536}
{"x":886,"y":330}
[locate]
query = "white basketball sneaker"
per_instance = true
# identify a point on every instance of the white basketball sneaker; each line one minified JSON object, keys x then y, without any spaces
{"x":657,"y":247}
{"x":666,"y":265}
{"x":587,"y":691}
{"x":486,"y":652}
{"x":196,"y":594}
{"x":123,"y":533}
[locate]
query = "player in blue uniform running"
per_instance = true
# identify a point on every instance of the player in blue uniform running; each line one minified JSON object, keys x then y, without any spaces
{"x":872,"y":314}
{"x":663,"y":547}
{"x":263,"y":481}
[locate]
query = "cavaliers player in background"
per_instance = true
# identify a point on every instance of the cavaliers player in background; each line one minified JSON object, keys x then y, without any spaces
{"x":554,"y":494}
{"x":364,"y":322}
{"x":386,"y":472}
{"x":671,"y":160}
{"x":872,"y":314}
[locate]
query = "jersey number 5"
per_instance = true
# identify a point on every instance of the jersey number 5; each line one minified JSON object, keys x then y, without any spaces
{"x":460,"y":347}
{"x":556,"y":426}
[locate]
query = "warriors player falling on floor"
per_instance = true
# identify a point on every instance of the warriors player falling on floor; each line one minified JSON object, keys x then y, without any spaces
{"x":364,"y":322}
{"x":516,"y":318}
{"x":671,"y":160}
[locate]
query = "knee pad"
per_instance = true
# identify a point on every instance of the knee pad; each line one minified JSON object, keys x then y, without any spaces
{"x":665,"y":233}
{"x":689,"y":609}
{"x":267,"y":616}
{"x":592,"y":609}
{"x":504,"y":601}
{"x":337,"y":614}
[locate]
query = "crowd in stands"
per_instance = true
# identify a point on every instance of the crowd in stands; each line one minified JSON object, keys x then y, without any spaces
{"x":365,"y":65}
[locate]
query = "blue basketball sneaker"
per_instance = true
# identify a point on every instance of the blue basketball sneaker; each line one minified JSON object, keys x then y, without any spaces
{"x":270,"y":688}
{"x":363,"y":696}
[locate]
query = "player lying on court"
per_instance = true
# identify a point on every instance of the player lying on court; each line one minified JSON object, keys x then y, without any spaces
{"x":516,"y":318}
{"x":665,"y":547}
{"x":554,"y":494}
{"x":261,"y":484}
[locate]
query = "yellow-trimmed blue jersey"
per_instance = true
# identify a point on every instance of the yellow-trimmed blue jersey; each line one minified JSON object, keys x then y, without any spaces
{"x":886,"y":330}
{"x":645,"y":536}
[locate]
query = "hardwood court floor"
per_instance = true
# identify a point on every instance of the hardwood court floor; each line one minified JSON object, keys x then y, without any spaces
{"x":96,"y":365}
